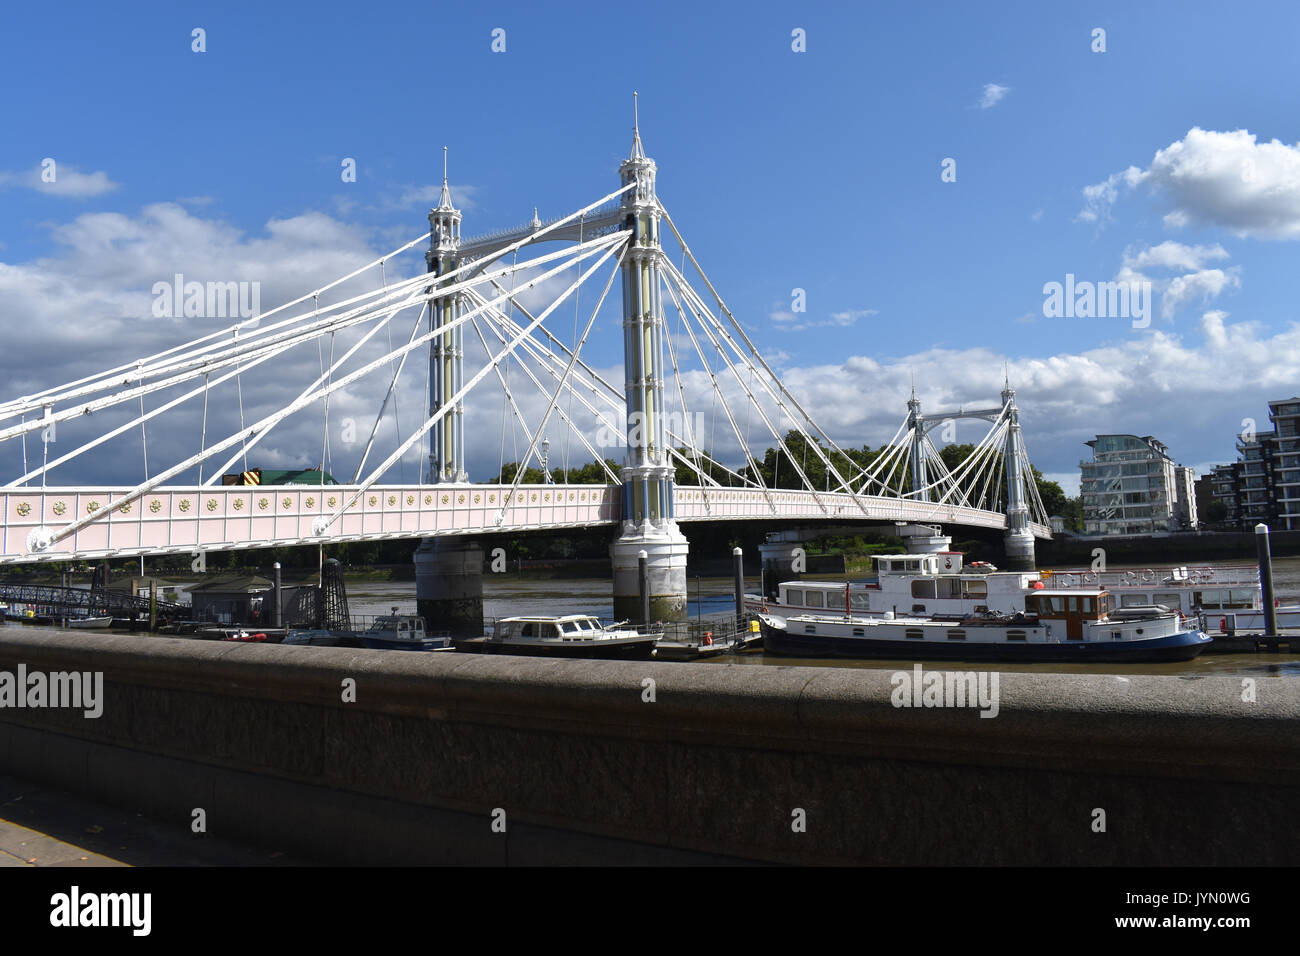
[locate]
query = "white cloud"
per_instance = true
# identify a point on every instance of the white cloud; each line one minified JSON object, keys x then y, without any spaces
{"x":68,"y":182}
{"x":1211,"y":178}
{"x":1177,"y":291}
{"x":992,"y":95}
{"x":1099,"y":198}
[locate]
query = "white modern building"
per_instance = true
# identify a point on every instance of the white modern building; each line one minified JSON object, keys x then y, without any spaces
{"x":1132,"y":486}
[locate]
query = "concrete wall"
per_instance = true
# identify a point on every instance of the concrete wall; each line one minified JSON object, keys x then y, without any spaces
{"x":258,"y":736}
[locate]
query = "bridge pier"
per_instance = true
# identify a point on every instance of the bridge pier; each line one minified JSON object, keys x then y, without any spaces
{"x":924,"y":538}
{"x":778,"y":556}
{"x":666,"y":550}
{"x":449,"y":585}
{"x":1019,"y":547}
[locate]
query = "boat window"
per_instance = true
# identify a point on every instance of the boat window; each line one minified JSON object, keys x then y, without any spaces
{"x":923,"y":589}
{"x":1058,"y":605}
{"x":1015,"y":635}
{"x":914,"y":633}
{"x":810,"y":628}
{"x":859,"y":632}
{"x":794,"y":596}
{"x":975,"y":589}
{"x":1074,"y":605}
{"x":956,"y":634}
{"x":861,"y":601}
{"x":1169,"y":599}
{"x":1086,"y":605}
{"x":948,"y":588}
{"x":1134,"y":600}
{"x":1242,"y":597}
{"x":527,"y":630}
{"x":816,"y":599}
{"x":911,"y":565}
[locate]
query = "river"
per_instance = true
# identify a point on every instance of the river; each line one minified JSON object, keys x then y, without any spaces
{"x":509,"y":594}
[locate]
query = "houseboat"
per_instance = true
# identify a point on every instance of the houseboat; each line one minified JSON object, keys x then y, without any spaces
{"x":1056,"y":625}
{"x":573,"y":635}
{"x":940,"y":584}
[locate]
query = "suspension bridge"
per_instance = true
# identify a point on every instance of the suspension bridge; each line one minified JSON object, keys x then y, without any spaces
{"x":695,"y":393}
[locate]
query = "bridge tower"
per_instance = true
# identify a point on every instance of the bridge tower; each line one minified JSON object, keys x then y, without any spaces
{"x":446,"y":352}
{"x":916,"y":422}
{"x":448,"y":571}
{"x":648,"y":522}
{"x":1018,"y":540}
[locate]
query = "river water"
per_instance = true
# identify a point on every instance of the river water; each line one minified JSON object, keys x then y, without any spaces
{"x":509,"y":594}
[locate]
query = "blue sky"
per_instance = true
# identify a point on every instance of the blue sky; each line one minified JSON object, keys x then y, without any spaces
{"x":815,"y":170}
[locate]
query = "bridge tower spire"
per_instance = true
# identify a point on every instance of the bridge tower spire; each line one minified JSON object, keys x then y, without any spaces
{"x":648,"y":521}
{"x":1018,"y":540}
{"x":916,"y":422}
{"x":446,"y":352}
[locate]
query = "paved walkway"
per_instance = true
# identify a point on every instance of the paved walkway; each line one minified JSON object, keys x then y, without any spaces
{"x":40,"y":826}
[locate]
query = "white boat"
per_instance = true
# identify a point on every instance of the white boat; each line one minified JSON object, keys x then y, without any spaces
{"x":939,"y":584}
{"x":1057,"y":625}
{"x":90,"y":623}
{"x":572,"y":635}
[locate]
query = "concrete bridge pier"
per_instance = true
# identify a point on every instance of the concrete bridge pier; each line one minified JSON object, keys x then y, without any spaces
{"x":449,"y":585}
{"x":779,"y":555}
{"x":924,"y":538}
{"x":1019,"y":547}
{"x":666,"y":549}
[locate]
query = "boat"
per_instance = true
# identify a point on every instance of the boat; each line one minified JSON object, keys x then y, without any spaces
{"x":402,"y":632}
{"x":1057,"y":625}
{"x":571,"y":635}
{"x":90,"y":623}
{"x":938,"y":583}
{"x":322,"y":637}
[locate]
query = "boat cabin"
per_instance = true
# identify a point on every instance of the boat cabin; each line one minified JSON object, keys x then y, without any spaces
{"x":402,"y":627}
{"x":1074,"y":607}
{"x":573,"y":627}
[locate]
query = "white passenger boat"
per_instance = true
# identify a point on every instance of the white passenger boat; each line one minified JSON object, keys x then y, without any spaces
{"x":940,"y":584}
{"x":573,"y":635}
{"x":1057,"y":625}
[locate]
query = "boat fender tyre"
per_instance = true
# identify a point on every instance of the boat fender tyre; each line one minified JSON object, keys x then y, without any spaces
{"x":1148,"y":576}
{"x":1207,"y":575}
{"x":1090,"y":577}
{"x":1129,"y":577}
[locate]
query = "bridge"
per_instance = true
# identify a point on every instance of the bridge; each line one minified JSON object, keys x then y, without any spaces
{"x":525,"y":359}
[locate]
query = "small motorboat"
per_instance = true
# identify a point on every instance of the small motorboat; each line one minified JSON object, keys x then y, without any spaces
{"x":90,"y":623}
{"x":402,"y":632}
{"x":573,"y":635}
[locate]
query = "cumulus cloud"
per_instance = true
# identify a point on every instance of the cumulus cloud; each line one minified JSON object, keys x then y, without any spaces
{"x":992,"y":95}
{"x":1212,"y":178}
{"x":1196,"y":281}
{"x":789,"y":321}
{"x":67,"y":181}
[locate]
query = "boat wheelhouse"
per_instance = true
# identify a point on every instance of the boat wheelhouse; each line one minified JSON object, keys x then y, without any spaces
{"x":1057,"y":625}
{"x":919,"y":584}
{"x":402,"y":632}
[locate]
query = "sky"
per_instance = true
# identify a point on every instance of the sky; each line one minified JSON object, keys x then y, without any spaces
{"x":883,"y":195}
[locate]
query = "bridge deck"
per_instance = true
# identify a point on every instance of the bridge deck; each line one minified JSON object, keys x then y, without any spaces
{"x":185,"y":519}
